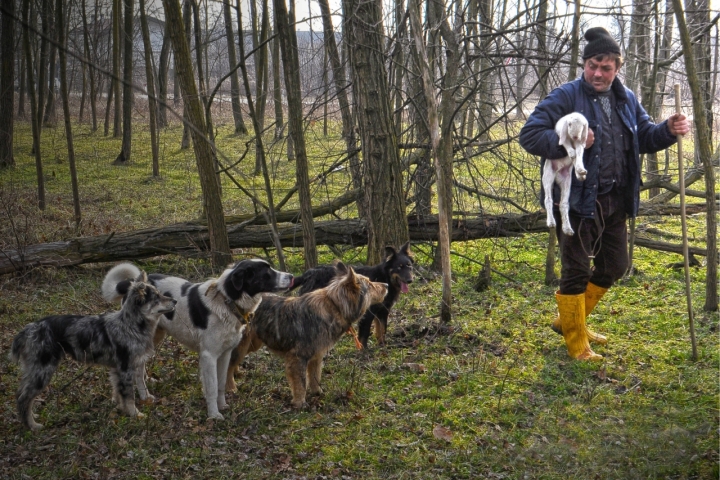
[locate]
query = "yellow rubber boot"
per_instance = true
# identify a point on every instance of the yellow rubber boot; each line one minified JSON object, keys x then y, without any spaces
{"x":593,"y":294}
{"x":572,"y":318}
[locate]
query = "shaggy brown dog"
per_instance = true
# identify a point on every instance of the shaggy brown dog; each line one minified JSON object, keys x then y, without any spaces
{"x":303,"y":329}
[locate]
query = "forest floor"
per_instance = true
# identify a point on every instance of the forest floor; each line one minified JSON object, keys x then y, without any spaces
{"x":493,"y":394}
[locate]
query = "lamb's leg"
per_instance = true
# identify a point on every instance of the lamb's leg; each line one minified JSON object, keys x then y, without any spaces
{"x":548,"y":181}
{"x":565,"y":183}
{"x":580,"y":171}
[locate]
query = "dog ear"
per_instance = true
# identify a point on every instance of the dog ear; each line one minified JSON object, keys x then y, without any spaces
{"x":341,"y":268}
{"x":142,"y":277}
{"x":141,"y":294}
{"x":585,"y":132}
{"x":389,"y":252}
{"x":351,"y":277}
{"x":237,"y":277}
{"x":405,"y":248}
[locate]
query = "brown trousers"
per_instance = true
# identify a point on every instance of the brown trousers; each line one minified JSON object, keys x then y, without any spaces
{"x":601,"y":241}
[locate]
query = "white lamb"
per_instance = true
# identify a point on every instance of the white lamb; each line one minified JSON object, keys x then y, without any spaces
{"x":572,"y":130}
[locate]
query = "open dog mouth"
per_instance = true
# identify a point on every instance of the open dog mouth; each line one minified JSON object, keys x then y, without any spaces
{"x":404,"y":287}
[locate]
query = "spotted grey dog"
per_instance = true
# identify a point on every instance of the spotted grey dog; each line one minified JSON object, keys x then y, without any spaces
{"x":209,"y":317}
{"x":121,"y":340}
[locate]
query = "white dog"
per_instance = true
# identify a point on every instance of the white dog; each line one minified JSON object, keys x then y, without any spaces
{"x":573,"y":131}
{"x":209,"y":317}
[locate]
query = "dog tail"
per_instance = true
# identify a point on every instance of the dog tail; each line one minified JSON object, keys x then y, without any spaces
{"x":18,"y":346}
{"x":117,"y":281}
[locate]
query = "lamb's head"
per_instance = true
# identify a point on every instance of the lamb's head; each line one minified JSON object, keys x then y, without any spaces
{"x":577,"y":128}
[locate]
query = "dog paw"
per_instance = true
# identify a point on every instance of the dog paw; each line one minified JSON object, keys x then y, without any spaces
{"x":148,"y":400}
{"x":551,"y":223}
{"x":568,"y":231}
{"x":216,"y":416}
{"x":139,"y":415}
{"x":581,"y":174}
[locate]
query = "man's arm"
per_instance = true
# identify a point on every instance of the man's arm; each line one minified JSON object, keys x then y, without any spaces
{"x":538,"y":135}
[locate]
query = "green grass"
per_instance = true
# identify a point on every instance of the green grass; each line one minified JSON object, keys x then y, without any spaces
{"x":497,"y":378}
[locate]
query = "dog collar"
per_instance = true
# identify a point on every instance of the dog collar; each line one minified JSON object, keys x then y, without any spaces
{"x":243,"y":317}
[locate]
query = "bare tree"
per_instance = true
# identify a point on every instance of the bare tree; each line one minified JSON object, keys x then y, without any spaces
{"x":383,"y":190}
{"x":128,"y":96}
{"x":212,"y":201}
{"x":90,"y":70}
{"x":49,"y":108}
{"x":704,"y":147}
{"x":7,"y":82}
{"x":348,"y":127}
{"x":64,"y":94}
{"x":277,"y":90}
{"x":149,"y":78}
{"x":163,"y":67}
{"x":260,"y":152}
{"x":439,"y":157}
{"x":34,"y":114}
{"x":240,"y":127}
{"x":285,"y":27}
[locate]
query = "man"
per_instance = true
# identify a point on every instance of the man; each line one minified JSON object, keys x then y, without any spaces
{"x":620,"y":130}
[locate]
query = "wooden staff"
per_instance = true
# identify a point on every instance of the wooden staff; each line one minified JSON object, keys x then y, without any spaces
{"x":686,"y":248}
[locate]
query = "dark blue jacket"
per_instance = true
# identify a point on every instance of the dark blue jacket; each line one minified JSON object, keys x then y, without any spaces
{"x":538,"y":137}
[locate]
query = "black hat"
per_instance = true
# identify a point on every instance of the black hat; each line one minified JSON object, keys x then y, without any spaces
{"x":599,"y":41}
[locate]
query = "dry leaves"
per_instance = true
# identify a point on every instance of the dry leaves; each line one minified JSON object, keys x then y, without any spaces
{"x":442,"y":433}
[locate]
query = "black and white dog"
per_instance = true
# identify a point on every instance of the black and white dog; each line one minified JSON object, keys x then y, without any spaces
{"x":396,"y":270}
{"x":209,"y":317}
{"x":121,"y":340}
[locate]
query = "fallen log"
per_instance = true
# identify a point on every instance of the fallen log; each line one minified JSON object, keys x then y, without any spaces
{"x":191,"y":238}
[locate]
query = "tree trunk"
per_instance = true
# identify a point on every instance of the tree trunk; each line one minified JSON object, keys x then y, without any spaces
{"x":260,"y":152}
{"x":212,"y":201}
{"x":277,"y":90}
{"x":261,"y":72}
{"x":382,"y":174}
{"x":7,"y":82}
{"x":128,"y":95}
{"x":48,"y":110}
{"x":42,"y":82}
{"x":187,"y":25}
{"x":117,"y":17}
{"x":90,"y":69}
{"x":152,"y":105}
{"x":702,"y":137}
{"x":542,"y":36}
{"x":34,"y":117}
{"x":285,"y":27}
{"x":192,"y":237}
{"x":439,"y":156}
{"x":66,"y":109}
{"x":22,"y":85}
{"x":240,"y":127}
{"x":698,"y":20}
{"x":163,"y":66}
{"x":348,"y":127}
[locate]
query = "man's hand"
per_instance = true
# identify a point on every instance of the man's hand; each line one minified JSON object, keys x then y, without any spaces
{"x":678,"y":124}
{"x":590,"y":138}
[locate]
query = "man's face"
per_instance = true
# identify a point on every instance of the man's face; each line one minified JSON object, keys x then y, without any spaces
{"x":600,"y":74}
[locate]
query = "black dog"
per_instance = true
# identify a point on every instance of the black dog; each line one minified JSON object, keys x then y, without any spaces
{"x":396,"y":270}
